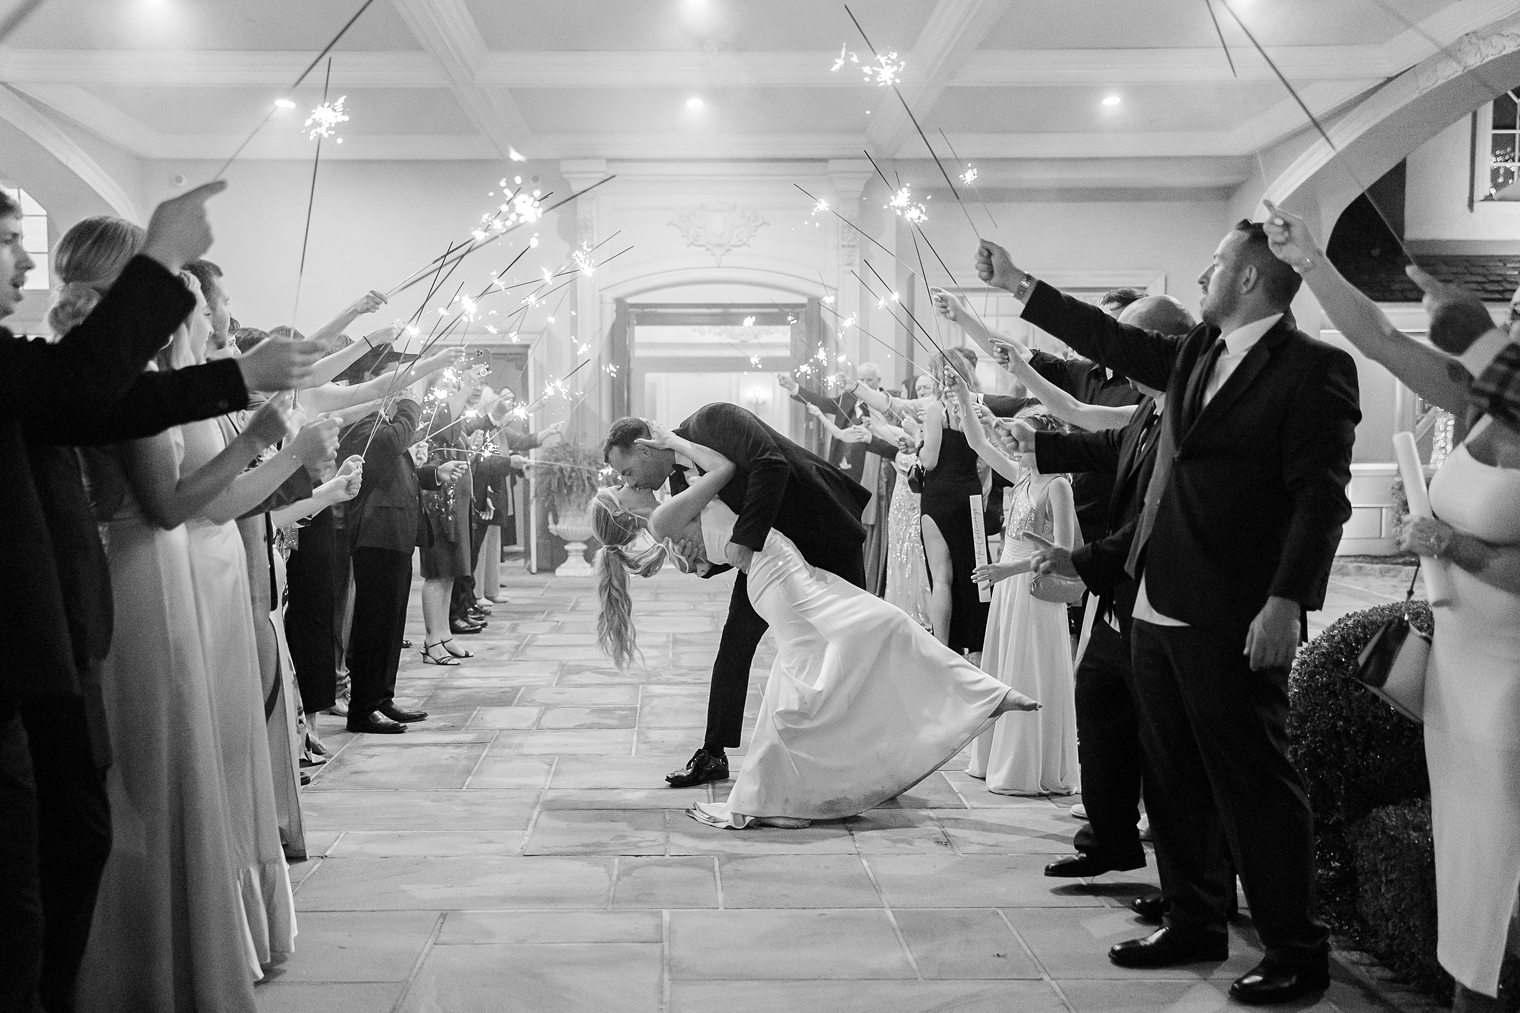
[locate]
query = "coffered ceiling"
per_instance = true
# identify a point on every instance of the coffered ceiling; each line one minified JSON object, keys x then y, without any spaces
{"x":617,"y":79}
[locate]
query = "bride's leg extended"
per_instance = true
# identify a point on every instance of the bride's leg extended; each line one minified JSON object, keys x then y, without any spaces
{"x":941,"y":573}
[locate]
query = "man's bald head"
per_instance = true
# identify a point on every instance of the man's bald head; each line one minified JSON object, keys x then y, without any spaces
{"x":1160,"y":313}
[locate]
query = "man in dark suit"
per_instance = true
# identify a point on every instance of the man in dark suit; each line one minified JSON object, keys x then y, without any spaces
{"x":1240,"y":523}
{"x":88,"y":388}
{"x":778,"y":485}
{"x":1108,"y":731}
{"x":384,"y":524}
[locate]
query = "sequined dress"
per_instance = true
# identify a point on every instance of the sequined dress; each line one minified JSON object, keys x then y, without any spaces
{"x":1028,"y":647}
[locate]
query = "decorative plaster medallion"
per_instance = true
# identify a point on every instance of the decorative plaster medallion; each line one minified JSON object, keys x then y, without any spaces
{"x":719,"y":227}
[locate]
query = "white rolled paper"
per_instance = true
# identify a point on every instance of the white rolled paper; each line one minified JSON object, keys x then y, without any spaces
{"x":979,"y":542}
{"x":1432,"y":570}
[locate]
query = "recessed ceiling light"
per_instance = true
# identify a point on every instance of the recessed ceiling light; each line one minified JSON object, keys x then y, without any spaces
{"x":284,"y":103}
{"x":1111,"y":100}
{"x":695,"y":102}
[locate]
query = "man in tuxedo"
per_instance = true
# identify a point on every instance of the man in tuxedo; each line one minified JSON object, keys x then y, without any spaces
{"x":778,"y":485}
{"x":87,"y":388}
{"x":1241,"y":519}
{"x":1108,"y":730}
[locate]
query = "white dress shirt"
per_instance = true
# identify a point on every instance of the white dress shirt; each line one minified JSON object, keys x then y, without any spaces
{"x":1237,"y":344}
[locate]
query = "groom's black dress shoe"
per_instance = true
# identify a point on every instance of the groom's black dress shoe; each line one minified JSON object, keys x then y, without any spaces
{"x":406,"y":717}
{"x":1168,"y":946}
{"x":1269,"y":983}
{"x":702,"y":767}
{"x":1078,"y":866}
{"x":374,"y":722}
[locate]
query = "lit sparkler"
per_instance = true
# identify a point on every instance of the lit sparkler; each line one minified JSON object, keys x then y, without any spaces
{"x":904,"y":206}
{"x":583,"y":261}
{"x":324,"y":119}
{"x":969,"y":176}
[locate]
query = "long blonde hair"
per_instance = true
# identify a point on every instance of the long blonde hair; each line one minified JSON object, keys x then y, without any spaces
{"x":86,"y":262}
{"x":617,"y":528}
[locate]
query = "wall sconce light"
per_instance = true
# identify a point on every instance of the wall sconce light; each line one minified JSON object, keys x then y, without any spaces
{"x":757,"y":396}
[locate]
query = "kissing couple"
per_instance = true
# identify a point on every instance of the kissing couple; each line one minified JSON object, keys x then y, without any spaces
{"x":861,"y":703}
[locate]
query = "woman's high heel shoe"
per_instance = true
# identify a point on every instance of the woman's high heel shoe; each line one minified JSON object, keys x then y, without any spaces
{"x":429,"y":658}
{"x":1013,"y":700}
{"x":458,"y":652}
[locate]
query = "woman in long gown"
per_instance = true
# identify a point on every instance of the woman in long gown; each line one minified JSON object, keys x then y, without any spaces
{"x":1028,"y":646}
{"x":1472,"y":686}
{"x":861,"y":703}
{"x":168,"y":931}
{"x":951,"y":478}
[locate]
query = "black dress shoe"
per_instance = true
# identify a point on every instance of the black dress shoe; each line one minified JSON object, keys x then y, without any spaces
{"x":406,"y":645}
{"x":1269,"y":983}
{"x":702,"y":767}
{"x":376,"y":723}
{"x":464,"y":626}
{"x":1167,"y":947}
{"x":406,"y":717}
{"x":1150,"y":909}
{"x":1078,"y":866}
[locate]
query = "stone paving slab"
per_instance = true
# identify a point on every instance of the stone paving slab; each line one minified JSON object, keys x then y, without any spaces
{"x":520,"y":850}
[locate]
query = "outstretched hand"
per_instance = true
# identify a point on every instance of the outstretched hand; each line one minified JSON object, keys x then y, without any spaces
{"x":1051,"y":558}
{"x":949,"y":305}
{"x":1289,"y":238}
{"x":995,"y":267}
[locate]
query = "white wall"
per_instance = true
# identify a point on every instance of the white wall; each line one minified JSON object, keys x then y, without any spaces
{"x":1436,"y":205}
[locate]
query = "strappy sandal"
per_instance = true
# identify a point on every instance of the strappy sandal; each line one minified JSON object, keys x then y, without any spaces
{"x":447,"y":659}
{"x":458,"y":652}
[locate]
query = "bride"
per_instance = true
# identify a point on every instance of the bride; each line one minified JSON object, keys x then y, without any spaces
{"x":861,"y":704}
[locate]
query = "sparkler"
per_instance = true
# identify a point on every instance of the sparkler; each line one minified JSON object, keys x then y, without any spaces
{"x":311,"y":196}
{"x":475,"y":245}
{"x":969,"y":177}
{"x":902,"y":204}
{"x":276,"y":106}
{"x":324,"y":119}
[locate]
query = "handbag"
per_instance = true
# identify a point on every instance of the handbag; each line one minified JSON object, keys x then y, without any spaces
{"x":1054,"y":588}
{"x":1393,"y":664}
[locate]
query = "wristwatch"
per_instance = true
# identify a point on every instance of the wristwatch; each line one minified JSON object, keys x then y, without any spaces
{"x":1024,"y":287}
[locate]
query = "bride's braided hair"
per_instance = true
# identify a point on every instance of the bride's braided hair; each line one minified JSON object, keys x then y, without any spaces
{"x":616,"y":527}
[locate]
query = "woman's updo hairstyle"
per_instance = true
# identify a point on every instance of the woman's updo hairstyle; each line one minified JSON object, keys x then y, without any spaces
{"x":87,"y":261}
{"x":618,"y":528}
{"x":963,"y":361}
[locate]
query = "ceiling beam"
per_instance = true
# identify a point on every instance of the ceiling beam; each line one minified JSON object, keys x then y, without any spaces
{"x":448,"y":32}
{"x":272,"y":70}
{"x":953,"y":32}
{"x":38,"y":126}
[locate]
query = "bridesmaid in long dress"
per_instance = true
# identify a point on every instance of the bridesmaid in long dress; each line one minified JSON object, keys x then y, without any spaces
{"x":951,"y":478}
{"x":168,"y":931}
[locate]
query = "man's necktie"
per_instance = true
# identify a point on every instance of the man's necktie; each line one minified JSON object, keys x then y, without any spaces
{"x":1166,"y":451}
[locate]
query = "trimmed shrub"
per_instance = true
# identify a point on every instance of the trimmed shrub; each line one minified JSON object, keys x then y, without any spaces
{"x":1394,"y":858}
{"x":1353,"y":751}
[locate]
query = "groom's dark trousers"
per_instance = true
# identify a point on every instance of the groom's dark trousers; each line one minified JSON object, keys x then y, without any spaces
{"x":777,"y":485}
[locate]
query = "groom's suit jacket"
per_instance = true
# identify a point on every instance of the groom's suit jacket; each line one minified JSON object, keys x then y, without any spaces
{"x":780,"y":485}
{"x":1255,"y":497}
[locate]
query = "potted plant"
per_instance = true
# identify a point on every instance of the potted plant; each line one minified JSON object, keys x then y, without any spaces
{"x":566,"y":476}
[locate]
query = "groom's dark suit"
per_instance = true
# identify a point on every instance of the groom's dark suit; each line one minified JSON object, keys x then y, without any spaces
{"x":1249,"y":495}
{"x":778,"y":485}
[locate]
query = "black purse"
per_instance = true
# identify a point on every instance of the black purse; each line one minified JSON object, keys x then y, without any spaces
{"x":1393,"y":664}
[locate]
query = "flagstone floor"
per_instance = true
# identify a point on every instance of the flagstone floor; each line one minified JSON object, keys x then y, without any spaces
{"x":520,"y":851}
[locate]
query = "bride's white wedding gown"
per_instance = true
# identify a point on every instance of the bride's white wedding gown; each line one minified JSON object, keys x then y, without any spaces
{"x":862,"y":703}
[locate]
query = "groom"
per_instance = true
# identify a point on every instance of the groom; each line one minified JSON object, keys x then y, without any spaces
{"x":778,"y":485}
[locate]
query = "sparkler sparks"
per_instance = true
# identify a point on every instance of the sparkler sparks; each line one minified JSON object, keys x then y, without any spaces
{"x":969,"y":176}
{"x":583,"y":261}
{"x":324,"y":120}
{"x":884,"y":70}
{"x":904,"y":206}
{"x":749,"y":321}
{"x":610,"y":369}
